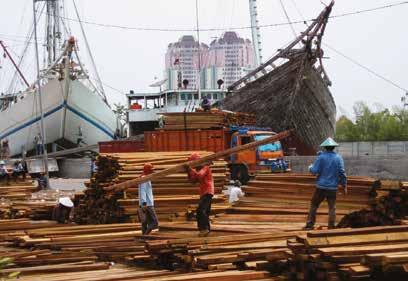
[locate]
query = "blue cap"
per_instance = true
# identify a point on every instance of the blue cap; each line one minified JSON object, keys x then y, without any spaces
{"x":329,"y":142}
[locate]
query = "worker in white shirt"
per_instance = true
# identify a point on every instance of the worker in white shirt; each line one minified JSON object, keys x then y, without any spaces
{"x":235,"y":191}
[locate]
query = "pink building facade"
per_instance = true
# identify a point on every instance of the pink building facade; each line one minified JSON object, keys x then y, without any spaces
{"x":228,"y":58}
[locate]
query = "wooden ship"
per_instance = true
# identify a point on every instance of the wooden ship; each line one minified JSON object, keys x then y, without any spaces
{"x":290,"y":91}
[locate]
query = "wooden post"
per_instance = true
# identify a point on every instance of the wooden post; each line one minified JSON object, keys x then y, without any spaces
{"x":179,"y":168}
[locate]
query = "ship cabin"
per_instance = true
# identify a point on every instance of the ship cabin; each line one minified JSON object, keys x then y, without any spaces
{"x":144,"y":109}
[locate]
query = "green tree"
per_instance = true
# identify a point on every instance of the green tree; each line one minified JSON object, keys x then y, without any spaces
{"x":369,"y":125}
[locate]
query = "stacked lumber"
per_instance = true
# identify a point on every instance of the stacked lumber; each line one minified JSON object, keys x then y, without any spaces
{"x":95,"y":205}
{"x":207,"y":120}
{"x":372,"y":253}
{"x":20,"y":200}
{"x":120,"y":273}
{"x":172,"y":194}
{"x":390,"y":207}
{"x":283,"y":200}
{"x":46,"y":250}
{"x":18,"y":190}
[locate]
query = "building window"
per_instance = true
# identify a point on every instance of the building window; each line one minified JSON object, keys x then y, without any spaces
{"x":183,"y":96}
{"x":196,"y":97}
{"x":215,"y":96}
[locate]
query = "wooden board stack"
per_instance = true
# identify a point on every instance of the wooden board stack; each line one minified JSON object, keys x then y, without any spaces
{"x":372,"y":253}
{"x":207,"y":120}
{"x":283,"y":200}
{"x":173,"y":194}
{"x":19,"y":200}
{"x":253,"y":233}
{"x":390,"y":207}
{"x":48,"y":251}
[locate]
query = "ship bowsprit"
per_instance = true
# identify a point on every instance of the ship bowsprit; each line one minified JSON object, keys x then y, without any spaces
{"x":292,"y":96}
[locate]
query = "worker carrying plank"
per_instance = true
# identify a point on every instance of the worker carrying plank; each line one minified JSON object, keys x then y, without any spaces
{"x":329,"y":168}
{"x":147,"y":214}
{"x":203,"y":175}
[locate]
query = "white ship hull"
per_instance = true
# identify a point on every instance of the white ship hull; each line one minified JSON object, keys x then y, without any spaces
{"x":64,"y":114}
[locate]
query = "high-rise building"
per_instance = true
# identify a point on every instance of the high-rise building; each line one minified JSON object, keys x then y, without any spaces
{"x":228,"y":58}
{"x":182,"y":63}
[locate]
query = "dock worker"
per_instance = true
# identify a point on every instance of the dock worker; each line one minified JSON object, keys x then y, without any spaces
{"x":38,"y":145}
{"x":329,"y":168}
{"x":18,"y":170}
{"x":235,"y":191}
{"x":4,"y":173}
{"x":5,"y":149}
{"x":147,"y":214}
{"x":42,"y":181}
{"x":203,"y":175}
{"x":94,"y":167}
{"x":206,"y":104}
{"x":62,"y":211}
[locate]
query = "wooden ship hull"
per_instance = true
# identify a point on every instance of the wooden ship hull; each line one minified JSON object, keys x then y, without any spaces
{"x":281,"y":103}
{"x":293,"y":95}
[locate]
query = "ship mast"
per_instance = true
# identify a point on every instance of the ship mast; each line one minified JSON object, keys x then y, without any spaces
{"x":43,"y":135}
{"x":53,"y":30}
{"x":199,"y":52}
{"x":256,"y":35}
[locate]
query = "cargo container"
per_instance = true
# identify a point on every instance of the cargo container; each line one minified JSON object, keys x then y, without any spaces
{"x":242,"y":165}
{"x":121,"y":146}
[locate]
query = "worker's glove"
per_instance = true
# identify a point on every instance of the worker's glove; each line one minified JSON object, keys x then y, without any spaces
{"x":345,"y":190}
{"x":310,"y":166}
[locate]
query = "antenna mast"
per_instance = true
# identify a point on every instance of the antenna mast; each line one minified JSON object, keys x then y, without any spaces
{"x":256,"y":35}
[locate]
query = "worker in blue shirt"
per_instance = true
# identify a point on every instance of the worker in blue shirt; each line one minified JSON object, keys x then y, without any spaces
{"x":329,"y":168}
{"x":147,"y":214}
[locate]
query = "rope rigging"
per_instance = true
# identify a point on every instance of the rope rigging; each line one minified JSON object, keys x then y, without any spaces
{"x":164,"y":29}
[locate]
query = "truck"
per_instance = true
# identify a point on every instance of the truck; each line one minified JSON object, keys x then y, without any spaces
{"x":242,"y":165}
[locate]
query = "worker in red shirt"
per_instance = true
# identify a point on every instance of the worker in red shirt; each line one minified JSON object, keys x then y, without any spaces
{"x":203,"y":175}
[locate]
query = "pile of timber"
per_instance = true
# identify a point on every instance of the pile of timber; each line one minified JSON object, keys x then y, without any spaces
{"x":173,"y":194}
{"x":372,"y":253}
{"x":390,"y":207}
{"x":95,"y":205}
{"x":19,"y":190}
{"x":252,"y":234}
{"x":207,"y":120}
{"x":48,"y":251}
{"x":20,"y":200}
{"x":283,"y":200}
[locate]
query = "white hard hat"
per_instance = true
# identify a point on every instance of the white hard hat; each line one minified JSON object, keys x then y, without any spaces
{"x":2,"y":162}
{"x":65,"y":201}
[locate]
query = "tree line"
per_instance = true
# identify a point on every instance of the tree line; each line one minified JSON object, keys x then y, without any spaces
{"x":373,"y":125}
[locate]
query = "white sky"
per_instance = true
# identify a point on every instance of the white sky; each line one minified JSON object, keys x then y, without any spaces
{"x":130,"y":59}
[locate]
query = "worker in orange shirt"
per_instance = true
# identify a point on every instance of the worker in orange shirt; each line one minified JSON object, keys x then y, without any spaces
{"x":203,"y":175}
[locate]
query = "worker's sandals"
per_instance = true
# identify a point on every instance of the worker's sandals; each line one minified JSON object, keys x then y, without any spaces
{"x":204,"y":233}
{"x":151,"y":229}
{"x":308,"y":227}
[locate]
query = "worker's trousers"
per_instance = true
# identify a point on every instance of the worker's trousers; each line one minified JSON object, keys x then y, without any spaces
{"x":203,"y":212}
{"x":148,"y":219}
{"x":318,"y":197}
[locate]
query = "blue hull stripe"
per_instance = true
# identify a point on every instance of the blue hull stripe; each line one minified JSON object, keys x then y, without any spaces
{"x":52,"y":111}
{"x":31,"y":122}
{"x":86,"y":118}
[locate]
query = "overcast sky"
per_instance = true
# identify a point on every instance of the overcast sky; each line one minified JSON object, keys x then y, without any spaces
{"x":130,"y":59}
